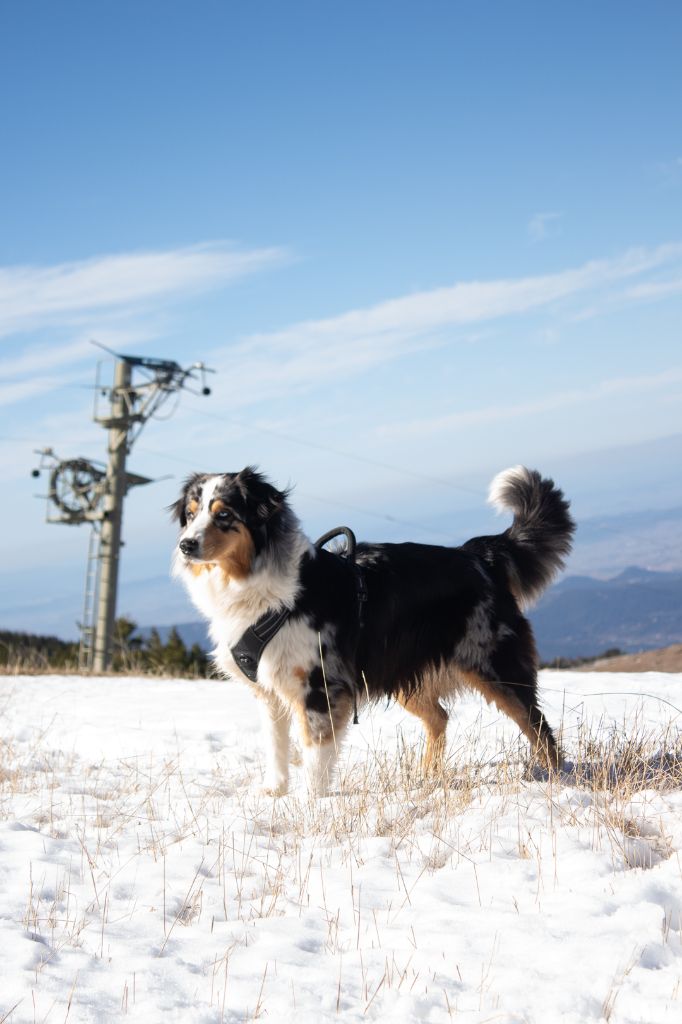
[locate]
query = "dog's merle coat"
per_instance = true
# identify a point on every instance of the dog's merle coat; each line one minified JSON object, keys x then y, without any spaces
{"x":435,"y":618}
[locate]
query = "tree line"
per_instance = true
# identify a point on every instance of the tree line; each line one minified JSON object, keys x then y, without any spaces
{"x":132,"y":653}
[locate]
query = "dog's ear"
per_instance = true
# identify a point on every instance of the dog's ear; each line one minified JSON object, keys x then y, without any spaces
{"x":264,"y":500}
{"x":178,"y":510}
{"x":270,"y":504}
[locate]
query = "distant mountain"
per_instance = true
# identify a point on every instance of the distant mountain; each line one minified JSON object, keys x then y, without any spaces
{"x":605,"y":545}
{"x":636,"y":610}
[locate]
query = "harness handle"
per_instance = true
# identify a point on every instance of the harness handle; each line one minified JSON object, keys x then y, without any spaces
{"x":351,"y":542}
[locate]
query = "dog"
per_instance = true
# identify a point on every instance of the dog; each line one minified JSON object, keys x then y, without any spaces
{"x":315,"y":634}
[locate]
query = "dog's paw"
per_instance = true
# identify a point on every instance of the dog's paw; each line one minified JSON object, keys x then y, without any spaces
{"x":274,"y":789}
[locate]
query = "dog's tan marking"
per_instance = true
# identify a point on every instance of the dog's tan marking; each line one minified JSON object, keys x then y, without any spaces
{"x":301,"y":715}
{"x":216,"y":506}
{"x":198,"y":567}
{"x":540,"y":737}
{"x":424,"y":704}
{"x":300,"y":673}
{"x":192,"y":506}
{"x":232,"y":550}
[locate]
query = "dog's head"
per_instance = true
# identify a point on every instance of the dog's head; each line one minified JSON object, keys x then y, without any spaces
{"x":227,"y":519}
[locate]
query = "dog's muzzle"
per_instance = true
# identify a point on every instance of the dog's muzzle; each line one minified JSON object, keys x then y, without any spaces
{"x":189,"y":547}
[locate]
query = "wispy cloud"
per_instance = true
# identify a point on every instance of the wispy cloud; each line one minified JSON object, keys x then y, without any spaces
{"x":312,"y":352}
{"x":30,"y":388}
{"x":309,"y":353}
{"x":669,"y":172}
{"x":544,"y":225}
{"x":30,"y":373}
{"x":425,"y":427}
{"x":32,"y":296}
{"x":76,"y":349}
{"x":655,"y":289}
{"x":44,"y":357}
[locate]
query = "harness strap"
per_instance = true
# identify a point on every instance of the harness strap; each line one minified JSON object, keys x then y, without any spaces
{"x":349,"y":554}
{"x":360,"y":584}
{"x":248,"y":650}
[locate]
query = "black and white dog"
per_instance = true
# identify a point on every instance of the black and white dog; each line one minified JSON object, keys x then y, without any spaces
{"x":425,"y":621}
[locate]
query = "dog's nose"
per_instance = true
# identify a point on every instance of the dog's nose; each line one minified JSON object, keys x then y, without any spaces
{"x":189,"y":546}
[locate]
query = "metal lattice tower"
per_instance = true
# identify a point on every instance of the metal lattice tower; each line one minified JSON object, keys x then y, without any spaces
{"x":86,"y":650}
{"x":86,"y":492}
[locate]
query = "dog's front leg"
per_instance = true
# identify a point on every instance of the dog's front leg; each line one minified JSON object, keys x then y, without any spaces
{"x":275,"y":728}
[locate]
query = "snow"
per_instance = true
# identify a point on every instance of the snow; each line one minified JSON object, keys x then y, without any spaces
{"x":143,"y":875}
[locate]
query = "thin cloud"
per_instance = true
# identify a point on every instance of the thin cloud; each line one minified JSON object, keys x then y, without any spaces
{"x":544,"y":225}
{"x":547,"y":404}
{"x":669,"y":172}
{"x":34,"y":387}
{"x":313,"y":352}
{"x":48,"y":357}
{"x":43,"y":357}
{"x":31,"y":296}
{"x":646,"y":291}
{"x":655,"y":289}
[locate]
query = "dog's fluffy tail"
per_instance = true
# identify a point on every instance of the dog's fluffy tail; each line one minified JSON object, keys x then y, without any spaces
{"x":535,"y":546}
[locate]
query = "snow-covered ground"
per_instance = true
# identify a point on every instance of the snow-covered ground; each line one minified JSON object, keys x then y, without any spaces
{"x":142,"y":875}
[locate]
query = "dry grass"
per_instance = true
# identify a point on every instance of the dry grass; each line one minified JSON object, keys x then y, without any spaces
{"x":19,"y":662}
{"x":258,"y":856}
{"x":36,"y":664}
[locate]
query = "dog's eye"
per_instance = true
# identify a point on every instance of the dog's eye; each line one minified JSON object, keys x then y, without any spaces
{"x":224,"y":515}
{"x":189,"y":515}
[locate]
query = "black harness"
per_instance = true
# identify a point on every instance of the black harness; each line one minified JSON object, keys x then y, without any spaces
{"x":248,"y":650}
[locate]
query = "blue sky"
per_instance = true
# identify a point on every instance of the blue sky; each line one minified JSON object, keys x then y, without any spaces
{"x":418,"y":241}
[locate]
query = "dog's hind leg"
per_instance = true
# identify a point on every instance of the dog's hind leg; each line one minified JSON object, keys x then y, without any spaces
{"x":518,"y":700}
{"x":425,"y":705}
